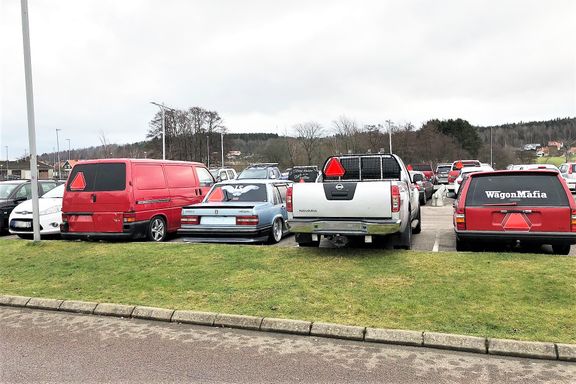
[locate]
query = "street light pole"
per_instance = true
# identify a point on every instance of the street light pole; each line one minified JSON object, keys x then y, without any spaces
{"x":58,"y":152}
{"x":389,"y":122}
{"x":491,"y":152}
{"x":208,"y":150}
{"x":31,"y":123}
{"x":163,"y":108}
{"x":68,"y":149}
{"x":222,"y":146}
{"x":6,"y":161}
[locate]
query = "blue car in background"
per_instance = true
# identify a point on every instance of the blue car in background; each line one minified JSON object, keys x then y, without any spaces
{"x":246,"y":211}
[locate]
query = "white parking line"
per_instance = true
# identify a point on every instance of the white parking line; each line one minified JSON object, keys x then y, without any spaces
{"x":436,"y":242}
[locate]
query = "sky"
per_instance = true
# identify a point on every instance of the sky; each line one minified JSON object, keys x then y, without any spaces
{"x":267,"y":65}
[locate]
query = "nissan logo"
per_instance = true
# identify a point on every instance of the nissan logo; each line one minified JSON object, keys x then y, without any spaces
{"x":339,"y":187}
{"x":215,"y":211}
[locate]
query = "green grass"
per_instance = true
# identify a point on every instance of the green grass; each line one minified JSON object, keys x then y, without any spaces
{"x":519,"y":296}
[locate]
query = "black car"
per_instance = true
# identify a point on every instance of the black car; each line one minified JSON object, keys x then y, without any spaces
{"x":261,"y":171}
{"x":14,"y":192}
{"x":306,"y":174}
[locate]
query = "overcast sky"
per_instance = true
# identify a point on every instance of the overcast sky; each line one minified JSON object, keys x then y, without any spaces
{"x":267,"y":65}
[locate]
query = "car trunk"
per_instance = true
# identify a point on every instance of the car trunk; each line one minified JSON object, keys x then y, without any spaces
{"x":215,"y":214}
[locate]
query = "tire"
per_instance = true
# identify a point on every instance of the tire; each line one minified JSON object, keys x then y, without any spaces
{"x":561,"y":249}
{"x":418,"y":228}
{"x":157,"y":230}
{"x":305,"y":240}
{"x":276,"y":232}
{"x":405,"y":238}
{"x":25,"y":237}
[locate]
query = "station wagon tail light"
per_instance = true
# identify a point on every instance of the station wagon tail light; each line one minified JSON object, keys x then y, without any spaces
{"x":64,"y":217}
{"x":246,"y":220}
{"x":289,"y":206}
{"x":460,"y":219}
{"x":573,"y":221}
{"x":129,"y":217}
{"x":395,"y":202}
{"x":190,"y":220}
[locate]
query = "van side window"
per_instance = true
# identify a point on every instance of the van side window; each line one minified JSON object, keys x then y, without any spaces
{"x":204,"y":177}
{"x":99,"y":177}
{"x":147,"y":176}
{"x":180,"y":176}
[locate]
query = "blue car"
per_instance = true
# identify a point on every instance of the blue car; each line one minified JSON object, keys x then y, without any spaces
{"x":246,"y":211}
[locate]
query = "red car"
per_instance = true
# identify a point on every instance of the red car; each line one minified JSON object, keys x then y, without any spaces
{"x":458,"y":165}
{"x":426,"y":169}
{"x":530,"y":207}
{"x":127,"y":198}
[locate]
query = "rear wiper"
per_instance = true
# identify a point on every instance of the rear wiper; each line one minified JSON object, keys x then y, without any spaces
{"x":497,"y":204}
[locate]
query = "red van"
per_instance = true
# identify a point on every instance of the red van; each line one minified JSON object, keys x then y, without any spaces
{"x":531,"y":207}
{"x":129,"y":198}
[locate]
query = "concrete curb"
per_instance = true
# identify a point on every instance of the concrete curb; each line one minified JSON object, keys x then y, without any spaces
{"x":515,"y":348}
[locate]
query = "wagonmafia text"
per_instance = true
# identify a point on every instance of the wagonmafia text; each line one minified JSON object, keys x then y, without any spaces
{"x":516,"y":195}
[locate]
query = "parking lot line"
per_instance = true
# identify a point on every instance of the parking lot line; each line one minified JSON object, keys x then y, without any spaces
{"x":436,"y":242}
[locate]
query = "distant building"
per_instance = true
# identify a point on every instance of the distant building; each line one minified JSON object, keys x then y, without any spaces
{"x":531,"y":147}
{"x":559,"y":145}
{"x":233,"y":154}
{"x":14,"y":170}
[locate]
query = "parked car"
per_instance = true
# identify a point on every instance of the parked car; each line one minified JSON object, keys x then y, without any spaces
{"x":457,"y":167}
{"x":465,"y":172}
{"x":222,"y":174}
{"x":359,"y":197}
{"x":261,"y":171}
{"x":238,"y":211}
{"x":14,"y":192}
{"x":442,"y":171}
{"x":568,"y":172}
{"x":129,"y":198}
{"x":426,"y":169}
{"x":423,"y":185}
{"x":520,"y":167}
{"x":530,"y":207}
{"x":50,"y":209}
{"x":304,"y":174}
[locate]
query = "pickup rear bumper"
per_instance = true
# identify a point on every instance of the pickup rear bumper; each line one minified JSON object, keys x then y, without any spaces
{"x":526,"y":237}
{"x":360,"y":227}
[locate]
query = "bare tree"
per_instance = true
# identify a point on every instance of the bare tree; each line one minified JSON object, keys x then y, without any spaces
{"x":105,"y":144}
{"x":291,"y":147}
{"x":346,"y":135}
{"x":309,"y":134}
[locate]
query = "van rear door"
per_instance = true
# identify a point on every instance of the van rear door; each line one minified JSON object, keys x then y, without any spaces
{"x":97,"y":195}
{"x":521,"y":202}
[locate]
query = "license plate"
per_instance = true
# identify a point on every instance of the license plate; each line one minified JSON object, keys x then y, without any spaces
{"x":218,"y":220}
{"x":22,"y":224}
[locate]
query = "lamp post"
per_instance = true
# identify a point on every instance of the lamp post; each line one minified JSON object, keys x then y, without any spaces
{"x":68,"y":140}
{"x":389,"y":122}
{"x":222,"y":147}
{"x":208,"y":150}
{"x":491,"y":152}
{"x":6,"y":161}
{"x":163,"y":108}
{"x":58,"y":152}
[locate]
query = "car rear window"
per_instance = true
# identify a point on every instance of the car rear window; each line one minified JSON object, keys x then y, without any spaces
{"x":443,"y":169}
{"x":522,"y":190}
{"x":238,"y":192}
{"x":99,"y":177}
{"x":368,"y":168}
{"x":422,"y":167}
{"x":466,"y":164}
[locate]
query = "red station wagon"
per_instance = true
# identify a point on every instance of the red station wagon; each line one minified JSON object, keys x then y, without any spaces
{"x":530,"y":207}
{"x":128,"y":198}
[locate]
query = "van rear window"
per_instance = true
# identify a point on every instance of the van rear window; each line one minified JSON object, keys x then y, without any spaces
{"x":529,"y":190}
{"x":98,"y":177}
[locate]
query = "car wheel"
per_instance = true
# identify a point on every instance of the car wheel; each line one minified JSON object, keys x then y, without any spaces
{"x":418,"y":227}
{"x":305,"y":240}
{"x":561,"y":249}
{"x":157,"y":229}
{"x":276,"y":232}
{"x":405,"y":238}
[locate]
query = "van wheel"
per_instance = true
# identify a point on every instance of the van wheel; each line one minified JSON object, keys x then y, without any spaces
{"x":418,"y":227}
{"x":561,"y":249}
{"x":405,"y":238}
{"x":276,"y":232}
{"x":157,"y":229}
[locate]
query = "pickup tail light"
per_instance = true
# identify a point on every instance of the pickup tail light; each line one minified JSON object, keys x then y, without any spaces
{"x":395,"y":202}
{"x":573,"y":221}
{"x":460,"y":219}
{"x":190,"y":220}
{"x":289,"y":206}
{"x":129,"y":217}
{"x":246,"y":220}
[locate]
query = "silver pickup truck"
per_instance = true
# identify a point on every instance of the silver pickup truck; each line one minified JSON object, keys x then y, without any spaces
{"x":357,"y":197}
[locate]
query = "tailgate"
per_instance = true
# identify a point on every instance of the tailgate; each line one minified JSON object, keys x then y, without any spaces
{"x":342,"y":200}
{"x":524,"y":219}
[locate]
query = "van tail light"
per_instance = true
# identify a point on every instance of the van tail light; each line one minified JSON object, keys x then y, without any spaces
{"x":129,"y":217}
{"x":395,"y":202}
{"x":64,"y":217}
{"x":460,"y":219}
{"x":289,"y":206}
{"x":573,"y":221}
{"x":246,"y":220}
{"x":190,"y":220}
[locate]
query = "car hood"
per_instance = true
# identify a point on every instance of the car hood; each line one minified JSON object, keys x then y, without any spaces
{"x":43,"y":204}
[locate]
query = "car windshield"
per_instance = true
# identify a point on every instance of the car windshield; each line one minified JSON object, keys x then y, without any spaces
{"x":254,"y":173}
{"x":6,"y":190}
{"x":238,"y":193}
{"x":55,"y":193}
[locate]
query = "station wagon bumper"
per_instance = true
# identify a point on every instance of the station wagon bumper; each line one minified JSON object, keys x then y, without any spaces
{"x":345,"y":227}
{"x":525,"y":237}
{"x":130,"y":231}
{"x":245,"y":234}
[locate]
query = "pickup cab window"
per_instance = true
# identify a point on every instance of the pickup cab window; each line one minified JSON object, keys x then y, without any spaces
{"x":369,"y":168}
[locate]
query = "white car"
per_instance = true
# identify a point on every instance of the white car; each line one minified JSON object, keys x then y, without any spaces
{"x":50,"y":204}
{"x":520,"y":167}
{"x":467,"y":170}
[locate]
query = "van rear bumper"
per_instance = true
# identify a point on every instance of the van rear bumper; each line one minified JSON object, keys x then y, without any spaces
{"x":525,"y":237}
{"x":345,"y":227}
{"x":130,"y":231}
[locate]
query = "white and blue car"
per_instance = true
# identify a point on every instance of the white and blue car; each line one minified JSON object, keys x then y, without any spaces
{"x":245,"y":211}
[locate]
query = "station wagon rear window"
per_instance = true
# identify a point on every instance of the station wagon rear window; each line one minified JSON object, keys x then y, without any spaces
{"x":238,"y":193}
{"x":529,"y":190}
{"x":98,"y":177}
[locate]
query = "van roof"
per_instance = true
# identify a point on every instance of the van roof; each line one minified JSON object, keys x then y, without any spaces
{"x":516,"y":172}
{"x":126,"y":160}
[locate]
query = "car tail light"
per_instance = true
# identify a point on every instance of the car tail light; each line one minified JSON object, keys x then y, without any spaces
{"x":190,"y":220}
{"x":417,"y":186}
{"x":289,"y":206}
{"x":64,"y":217}
{"x":246,"y":220}
{"x":395,"y":202}
{"x":573,"y":221}
{"x":460,"y":219}
{"x":129,"y":217}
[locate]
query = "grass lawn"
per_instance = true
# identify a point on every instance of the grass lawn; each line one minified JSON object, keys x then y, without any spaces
{"x":518,"y":296}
